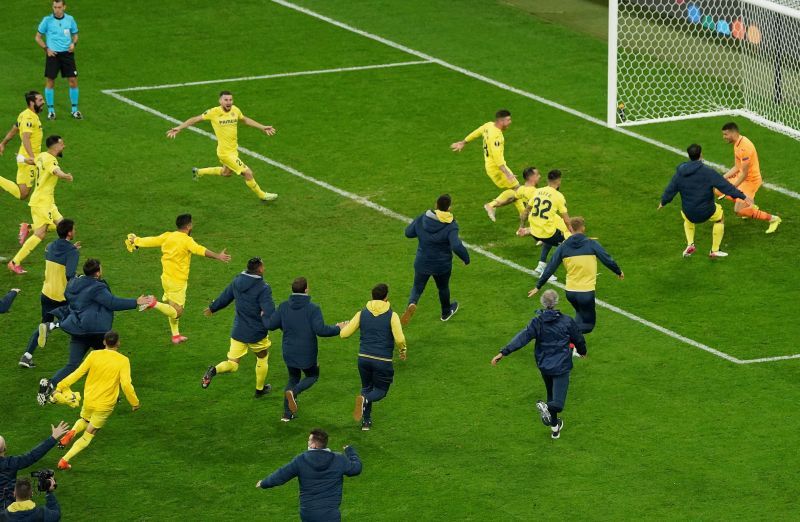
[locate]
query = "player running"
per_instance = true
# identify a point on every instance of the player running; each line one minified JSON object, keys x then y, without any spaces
{"x":548,"y":221}
{"x":254,"y":306}
{"x":177,"y":248}
{"x":225,"y":122}
{"x":494,"y":161}
{"x":29,"y":128}
{"x":746,"y":176}
{"x":44,"y":212}
{"x":108,"y":371}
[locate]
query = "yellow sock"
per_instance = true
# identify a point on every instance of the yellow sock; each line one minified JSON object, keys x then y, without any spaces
{"x":252,"y":185}
{"x":31,"y":243}
{"x":688,"y":228}
{"x":262,"y":368}
{"x":173,"y":325}
{"x":167,"y":310}
{"x":80,"y":425}
{"x":716,"y":236}
{"x":227,"y":367}
{"x":210,"y":171}
{"x":10,"y":187}
{"x":79,"y":446}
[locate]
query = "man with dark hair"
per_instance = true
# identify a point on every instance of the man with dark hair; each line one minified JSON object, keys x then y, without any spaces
{"x":321,"y":475}
{"x":548,"y":221}
{"x":108,"y":371}
{"x":381,"y":332}
{"x":88,"y":316}
{"x":254,"y":306}
{"x":579,"y":255}
{"x":494,"y":160}
{"x":24,"y":509}
{"x":177,"y":248}
{"x":437,"y":234}
{"x":695,"y":182}
{"x":10,"y":465}
{"x":29,"y":128}
{"x":5,"y":302}
{"x":301,"y":322}
{"x":225,"y":120}
{"x":61,"y":35}
{"x":745,"y":175}
{"x":61,"y":263}
{"x":556,"y":334}
{"x":44,"y":212}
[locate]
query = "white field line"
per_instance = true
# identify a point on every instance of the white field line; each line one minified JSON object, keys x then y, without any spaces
{"x":505,"y":86}
{"x":405,"y":219}
{"x":269,"y":76}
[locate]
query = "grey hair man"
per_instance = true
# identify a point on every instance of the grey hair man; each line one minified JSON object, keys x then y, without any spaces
{"x":555,"y":335}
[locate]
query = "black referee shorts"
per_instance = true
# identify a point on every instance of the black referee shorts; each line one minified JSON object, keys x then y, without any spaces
{"x":62,"y":62}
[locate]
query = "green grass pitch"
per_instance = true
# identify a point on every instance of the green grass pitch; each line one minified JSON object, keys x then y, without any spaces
{"x":655,"y":428}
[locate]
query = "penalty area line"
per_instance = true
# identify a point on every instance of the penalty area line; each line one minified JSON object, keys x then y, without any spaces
{"x":477,"y":249}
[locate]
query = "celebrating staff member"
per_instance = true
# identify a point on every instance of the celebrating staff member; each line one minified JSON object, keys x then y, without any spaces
{"x":579,"y":255}
{"x":61,"y":35}
{"x":554,"y":333}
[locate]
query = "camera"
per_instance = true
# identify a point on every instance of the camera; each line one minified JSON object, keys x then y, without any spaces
{"x":44,"y":476}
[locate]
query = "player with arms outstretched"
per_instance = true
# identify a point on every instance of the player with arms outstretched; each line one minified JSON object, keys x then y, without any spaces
{"x":494,"y":145}
{"x":177,"y":248}
{"x":746,"y":176}
{"x":225,"y":121}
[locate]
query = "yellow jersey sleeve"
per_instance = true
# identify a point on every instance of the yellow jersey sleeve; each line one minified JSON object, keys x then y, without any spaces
{"x":212,"y":113}
{"x":154,"y":241}
{"x":25,"y":123}
{"x":239,"y":113}
{"x":126,"y":383}
{"x":195,"y":248}
{"x":560,"y":203}
{"x":351,"y":327}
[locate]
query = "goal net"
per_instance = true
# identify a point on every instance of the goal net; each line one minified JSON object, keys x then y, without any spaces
{"x":679,"y":59}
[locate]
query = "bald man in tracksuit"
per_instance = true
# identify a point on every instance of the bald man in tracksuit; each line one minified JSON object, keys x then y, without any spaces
{"x":579,"y":255}
{"x":381,"y":331}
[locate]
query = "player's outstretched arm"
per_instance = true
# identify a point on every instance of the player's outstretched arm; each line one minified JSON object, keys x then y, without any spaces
{"x":63,"y":175}
{"x":222,"y":256}
{"x":173,"y":132}
{"x":269,"y":130}
{"x":26,"y":142}
{"x":9,"y":136}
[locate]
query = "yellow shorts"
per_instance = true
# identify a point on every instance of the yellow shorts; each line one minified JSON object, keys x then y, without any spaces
{"x":45,"y":216}
{"x":96,"y":418}
{"x":233,"y":163}
{"x":714,"y":218}
{"x":500,"y":179}
{"x":240,"y":349}
{"x":26,"y":174}
{"x":174,"y":290}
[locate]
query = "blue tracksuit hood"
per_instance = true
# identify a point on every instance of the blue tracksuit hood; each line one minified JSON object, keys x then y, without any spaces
{"x":298,"y":301}
{"x":318,"y":460}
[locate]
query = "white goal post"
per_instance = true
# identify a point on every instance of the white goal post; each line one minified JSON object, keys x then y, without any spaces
{"x":679,"y":59}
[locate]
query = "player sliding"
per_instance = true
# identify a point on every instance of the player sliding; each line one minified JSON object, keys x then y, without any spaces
{"x":225,"y":122}
{"x":177,"y":248}
{"x":746,"y":176}
{"x":495,"y":163}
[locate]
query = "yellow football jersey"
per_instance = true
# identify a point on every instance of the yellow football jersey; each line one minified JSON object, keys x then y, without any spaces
{"x":176,"y":252}
{"x":28,"y":122}
{"x":108,"y":371}
{"x":525,"y":193}
{"x":494,"y":144}
{"x":547,"y":205}
{"x":225,"y":126}
{"x":44,"y":195}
